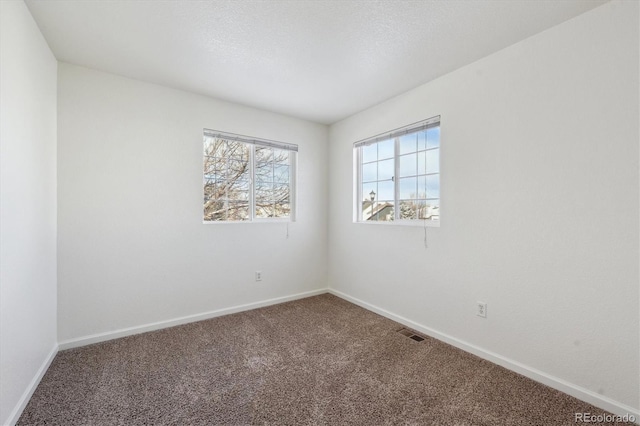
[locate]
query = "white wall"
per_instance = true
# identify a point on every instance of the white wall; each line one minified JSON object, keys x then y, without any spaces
{"x":539,"y":207}
{"x":27,"y":207}
{"x":131,"y":243}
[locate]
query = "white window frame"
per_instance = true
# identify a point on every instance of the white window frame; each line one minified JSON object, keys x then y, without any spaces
{"x":357,"y":158}
{"x":252,"y":142}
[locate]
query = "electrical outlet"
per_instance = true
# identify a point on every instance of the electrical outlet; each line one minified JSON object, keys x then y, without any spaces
{"x":258,"y":275}
{"x":481,"y":309}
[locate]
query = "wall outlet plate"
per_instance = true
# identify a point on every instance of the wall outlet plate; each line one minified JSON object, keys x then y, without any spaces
{"x":258,"y":275}
{"x":481,"y":309}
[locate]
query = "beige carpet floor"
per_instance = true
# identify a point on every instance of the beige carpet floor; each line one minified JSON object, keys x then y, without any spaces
{"x":315,"y":361}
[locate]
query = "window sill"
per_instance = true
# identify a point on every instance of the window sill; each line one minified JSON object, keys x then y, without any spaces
{"x":240,"y":222}
{"x":415,"y":223}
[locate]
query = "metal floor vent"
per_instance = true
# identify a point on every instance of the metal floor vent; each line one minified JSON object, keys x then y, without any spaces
{"x":411,"y":334}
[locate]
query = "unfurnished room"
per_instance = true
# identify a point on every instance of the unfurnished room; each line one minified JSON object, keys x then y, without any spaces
{"x":319,"y":212}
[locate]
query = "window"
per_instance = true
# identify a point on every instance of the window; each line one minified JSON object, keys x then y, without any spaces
{"x":247,"y":179}
{"x":398,"y":174}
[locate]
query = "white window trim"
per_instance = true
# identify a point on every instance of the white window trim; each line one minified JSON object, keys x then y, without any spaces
{"x":293,"y":172}
{"x":357,"y":178}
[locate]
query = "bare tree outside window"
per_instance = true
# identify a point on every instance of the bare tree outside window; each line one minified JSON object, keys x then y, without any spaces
{"x":235,"y":192}
{"x":226,"y":180}
{"x":272,"y":182}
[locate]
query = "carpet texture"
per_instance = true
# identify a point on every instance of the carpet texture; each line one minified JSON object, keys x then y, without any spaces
{"x":315,"y":361}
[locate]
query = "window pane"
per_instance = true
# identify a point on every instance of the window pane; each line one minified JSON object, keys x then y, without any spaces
{"x":422,"y":140}
{"x":235,"y":195}
{"x":238,"y":210}
{"x":265,"y":209}
{"x":433,"y":161}
{"x":209,"y":191}
{"x":209,"y":165}
{"x":215,"y":147}
{"x":367,"y":188}
{"x":385,"y":169}
{"x":238,"y":169}
{"x":433,"y":137}
{"x":227,"y":186}
{"x":281,"y":173}
{"x":238,"y":151}
{"x":385,"y":190}
{"x":385,"y":149}
{"x":408,"y":188}
{"x":408,"y":166}
{"x":422,"y":187}
{"x":369,"y":172}
{"x":432,"y":210}
{"x":421,"y":209}
{"x":433,"y":186}
{"x":383,"y":211}
{"x":264,"y":194}
{"x":215,"y":210}
{"x":208,"y":146}
{"x":263,"y":180}
{"x":369,"y":153}
{"x":422,"y":162}
{"x":280,"y":157}
{"x":219,"y":165}
{"x":263,"y":154}
{"x":366,"y":210}
{"x":264,"y":173}
{"x":281,"y":193}
{"x":408,"y":143}
{"x":402,"y":172}
{"x":408,"y":210}
{"x":282,"y":210}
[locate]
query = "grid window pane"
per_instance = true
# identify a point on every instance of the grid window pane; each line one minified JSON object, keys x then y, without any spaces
{"x":263,"y":154}
{"x":384,"y":211}
{"x":433,"y":137}
{"x":280,"y":157}
{"x":264,"y":193}
{"x":408,"y":165}
{"x":422,"y":140}
{"x":281,"y":173}
{"x":385,"y":190}
{"x":238,"y":210}
{"x":369,"y":153}
{"x":408,"y":209}
{"x":433,"y":161}
{"x":408,"y":143}
{"x":385,"y":149}
{"x":422,"y":162}
{"x":227,"y":184}
{"x":283,"y":210}
{"x":370,"y":172}
{"x":385,"y":169}
{"x":433,"y":186}
{"x":265,"y":209}
{"x":422,"y":187}
{"x":367,"y":188}
{"x":408,"y":188}
{"x":432,"y":210}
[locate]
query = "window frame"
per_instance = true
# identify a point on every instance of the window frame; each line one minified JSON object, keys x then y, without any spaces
{"x":358,"y":174}
{"x":252,"y":143}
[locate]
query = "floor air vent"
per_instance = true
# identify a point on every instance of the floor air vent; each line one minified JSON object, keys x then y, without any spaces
{"x":411,"y":334}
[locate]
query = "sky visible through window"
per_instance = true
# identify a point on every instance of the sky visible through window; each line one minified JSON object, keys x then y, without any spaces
{"x":408,"y":164}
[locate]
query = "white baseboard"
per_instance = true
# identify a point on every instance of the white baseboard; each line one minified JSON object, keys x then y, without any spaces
{"x":581,"y":393}
{"x":110,"y":335}
{"x":26,"y":396}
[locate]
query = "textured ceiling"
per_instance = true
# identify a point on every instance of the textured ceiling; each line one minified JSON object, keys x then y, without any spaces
{"x":317,"y":60}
